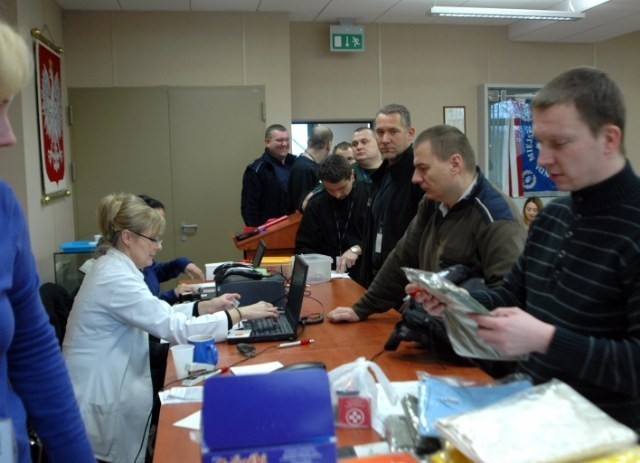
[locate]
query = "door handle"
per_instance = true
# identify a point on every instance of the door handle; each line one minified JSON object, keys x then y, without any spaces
{"x":184,"y":227}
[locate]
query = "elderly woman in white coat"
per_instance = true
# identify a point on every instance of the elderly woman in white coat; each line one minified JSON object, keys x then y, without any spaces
{"x":106,"y":346}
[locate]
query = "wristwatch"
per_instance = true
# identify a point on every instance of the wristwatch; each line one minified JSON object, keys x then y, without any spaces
{"x":356,"y":250}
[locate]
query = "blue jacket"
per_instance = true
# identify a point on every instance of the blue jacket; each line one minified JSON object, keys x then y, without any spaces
{"x":159,"y":272}
{"x":263,"y":195}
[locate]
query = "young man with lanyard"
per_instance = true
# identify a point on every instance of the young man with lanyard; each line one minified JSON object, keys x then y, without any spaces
{"x":334,"y":219}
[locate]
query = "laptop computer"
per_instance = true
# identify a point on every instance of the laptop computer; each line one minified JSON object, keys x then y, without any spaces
{"x":285,"y":328}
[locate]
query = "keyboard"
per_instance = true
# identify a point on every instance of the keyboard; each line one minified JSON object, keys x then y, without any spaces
{"x":270,"y":326}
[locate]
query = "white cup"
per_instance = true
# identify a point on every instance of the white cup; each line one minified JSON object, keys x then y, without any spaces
{"x":182,"y":359}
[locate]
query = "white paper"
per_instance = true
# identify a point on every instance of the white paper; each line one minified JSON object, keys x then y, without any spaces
{"x":335,"y":275}
{"x":181,"y":395}
{"x":255,"y":369}
{"x":190,"y":422}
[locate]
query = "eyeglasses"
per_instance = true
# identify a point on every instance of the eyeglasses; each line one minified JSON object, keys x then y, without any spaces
{"x":155,"y":241}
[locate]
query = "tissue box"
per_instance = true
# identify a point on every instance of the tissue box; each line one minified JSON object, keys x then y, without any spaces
{"x":289,"y":419}
{"x":319,"y":268}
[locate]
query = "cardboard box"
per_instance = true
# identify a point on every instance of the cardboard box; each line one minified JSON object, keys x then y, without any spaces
{"x":278,"y":264}
{"x":279,"y":417}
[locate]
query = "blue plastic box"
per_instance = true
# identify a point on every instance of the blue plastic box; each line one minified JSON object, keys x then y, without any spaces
{"x":78,"y":246}
{"x":279,"y":417}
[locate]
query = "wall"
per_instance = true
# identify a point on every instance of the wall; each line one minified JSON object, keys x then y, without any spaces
{"x":20,"y":165}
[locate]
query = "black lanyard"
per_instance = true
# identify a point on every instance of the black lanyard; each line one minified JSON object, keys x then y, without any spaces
{"x":342,"y":235}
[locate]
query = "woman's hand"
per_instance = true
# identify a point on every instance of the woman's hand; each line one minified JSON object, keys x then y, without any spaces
{"x":254,"y":311}
{"x":429,"y":303}
{"x":182,"y":288}
{"x":225,"y":302}
{"x":194,"y":272}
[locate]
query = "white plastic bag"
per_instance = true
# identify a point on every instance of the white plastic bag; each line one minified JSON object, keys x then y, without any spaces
{"x":354,"y":393}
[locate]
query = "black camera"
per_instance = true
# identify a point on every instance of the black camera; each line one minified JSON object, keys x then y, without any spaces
{"x":429,"y":332}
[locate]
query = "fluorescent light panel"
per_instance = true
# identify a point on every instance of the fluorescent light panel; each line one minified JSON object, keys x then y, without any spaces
{"x":505,"y":13}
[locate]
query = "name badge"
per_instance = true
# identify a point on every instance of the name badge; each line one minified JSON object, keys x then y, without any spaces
{"x":378,"y":247}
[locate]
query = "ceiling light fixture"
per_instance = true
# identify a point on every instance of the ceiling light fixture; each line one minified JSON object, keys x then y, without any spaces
{"x":505,"y":13}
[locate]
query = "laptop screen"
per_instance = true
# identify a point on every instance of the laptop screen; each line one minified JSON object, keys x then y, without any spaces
{"x":257,"y":257}
{"x":296,"y":288}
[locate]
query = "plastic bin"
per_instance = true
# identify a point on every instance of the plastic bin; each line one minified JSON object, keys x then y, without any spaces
{"x":319,"y":268}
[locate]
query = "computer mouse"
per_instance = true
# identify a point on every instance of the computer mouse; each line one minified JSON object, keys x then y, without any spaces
{"x":302,"y":366}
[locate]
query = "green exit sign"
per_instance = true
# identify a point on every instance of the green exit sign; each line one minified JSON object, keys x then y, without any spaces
{"x":347,"y":38}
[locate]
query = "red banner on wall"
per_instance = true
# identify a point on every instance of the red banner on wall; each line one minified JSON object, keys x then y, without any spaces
{"x":50,"y":120}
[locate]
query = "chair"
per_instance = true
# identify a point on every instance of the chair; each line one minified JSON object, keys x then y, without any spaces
{"x":57,"y":302}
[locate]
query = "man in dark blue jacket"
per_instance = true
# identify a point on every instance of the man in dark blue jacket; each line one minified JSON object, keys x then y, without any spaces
{"x":265,"y":180}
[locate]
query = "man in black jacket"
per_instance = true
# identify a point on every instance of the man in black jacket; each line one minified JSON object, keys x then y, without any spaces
{"x":394,"y":199}
{"x":266,"y":179}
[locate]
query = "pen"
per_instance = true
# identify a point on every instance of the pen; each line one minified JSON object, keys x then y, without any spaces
{"x":302,"y":342}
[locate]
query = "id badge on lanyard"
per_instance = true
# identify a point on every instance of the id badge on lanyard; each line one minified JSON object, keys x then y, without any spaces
{"x":378,"y":246}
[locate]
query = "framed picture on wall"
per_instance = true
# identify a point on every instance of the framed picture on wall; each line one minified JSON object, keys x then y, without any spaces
{"x":50,"y":118}
{"x":455,"y":116}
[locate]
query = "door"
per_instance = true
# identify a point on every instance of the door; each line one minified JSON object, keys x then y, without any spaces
{"x":215,"y":133}
{"x":187,"y":147}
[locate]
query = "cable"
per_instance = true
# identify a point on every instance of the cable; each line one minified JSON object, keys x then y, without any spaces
{"x":313,"y":318}
{"x":375,"y":356}
{"x":144,"y":434}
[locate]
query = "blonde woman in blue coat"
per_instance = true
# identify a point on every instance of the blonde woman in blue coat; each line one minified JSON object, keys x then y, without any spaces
{"x":106,"y":344}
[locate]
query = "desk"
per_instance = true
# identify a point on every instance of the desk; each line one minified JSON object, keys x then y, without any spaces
{"x":335,"y":344}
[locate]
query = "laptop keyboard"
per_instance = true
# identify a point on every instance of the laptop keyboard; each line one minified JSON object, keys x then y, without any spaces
{"x":270,"y":326}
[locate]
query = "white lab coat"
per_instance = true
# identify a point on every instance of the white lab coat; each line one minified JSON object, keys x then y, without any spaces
{"x":106,"y":348}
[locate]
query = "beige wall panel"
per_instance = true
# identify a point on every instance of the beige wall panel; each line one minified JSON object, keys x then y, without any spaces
{"x":182,"y":49}
{"x":619,"y":57}
{"x":328,"y":85}
{"x":529,"y":62}
{"x":268,"y":62}
{"x":88,"y":57}
{"x":177,"y":49}
{"x":426,"y":68}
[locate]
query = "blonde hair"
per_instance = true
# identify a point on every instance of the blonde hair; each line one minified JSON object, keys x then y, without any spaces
{"x":126,"y":211}
{"x":15,"y":61}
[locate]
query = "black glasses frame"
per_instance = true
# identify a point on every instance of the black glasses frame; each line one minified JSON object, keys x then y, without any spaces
{"x":153,"y":240}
